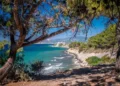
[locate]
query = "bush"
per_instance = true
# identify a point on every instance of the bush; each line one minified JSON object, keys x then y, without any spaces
{"x":112,"y":60}
{"x":105,"y":39}
{"x":107,"y":60}
{"x":74,"y":44}
{"x":36,"y":67}
{"x":94,"y":60}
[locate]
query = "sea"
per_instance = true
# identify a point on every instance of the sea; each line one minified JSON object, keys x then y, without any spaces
{"x":54,"y":58}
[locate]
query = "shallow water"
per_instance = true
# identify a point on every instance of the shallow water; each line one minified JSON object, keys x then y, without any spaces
{"x":54,"y":58}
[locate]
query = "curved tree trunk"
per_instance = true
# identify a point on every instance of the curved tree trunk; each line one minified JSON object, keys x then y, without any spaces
{"x":12,"y":56}
{"x":8,"y":65}
{"x":117,"y":64}
{"x":6,"y":68}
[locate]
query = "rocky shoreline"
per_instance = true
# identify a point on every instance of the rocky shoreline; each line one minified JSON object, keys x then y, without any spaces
{"x":78,"y":61}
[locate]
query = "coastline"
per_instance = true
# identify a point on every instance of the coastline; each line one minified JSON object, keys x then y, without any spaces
{"x":80,"y":63}
{"x":82,"y":56}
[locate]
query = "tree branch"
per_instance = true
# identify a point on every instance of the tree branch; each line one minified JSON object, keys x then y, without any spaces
{"x":19,"y":25}
{"x":34,"y":7}
{"x":27,"y":39}
{"x":43,"y":37}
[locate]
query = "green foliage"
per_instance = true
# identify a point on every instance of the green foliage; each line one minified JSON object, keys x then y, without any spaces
{"x":106,"y":59}
{"x":74,"y":44}
{"x":2,"y":43}
{"x":20,"y":70}
{"x":89,"y":9}
{"x":60,"y":44}
{"x":103,"y":60}
{"x":8,"y":24}
{"x":37,"y":66}
{"x":106,"y":39}
{"x":82,"y":46}
{"x":93,"y":60}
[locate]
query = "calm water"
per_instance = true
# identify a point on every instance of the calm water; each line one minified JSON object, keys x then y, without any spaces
{"x":54,"y":58}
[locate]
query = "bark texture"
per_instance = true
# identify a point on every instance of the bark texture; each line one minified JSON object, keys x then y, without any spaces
{"x":118,"y":52}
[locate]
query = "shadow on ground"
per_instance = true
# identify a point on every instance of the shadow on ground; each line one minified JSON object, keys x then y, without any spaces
{"x":101,"y":75}
{"x":100,"y":69}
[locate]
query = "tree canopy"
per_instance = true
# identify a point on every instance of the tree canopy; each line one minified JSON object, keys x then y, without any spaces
{"x":32,"y":21}
{"x":104,"y":40}
{"x":29,"y":21}
{"x":89,"y":9}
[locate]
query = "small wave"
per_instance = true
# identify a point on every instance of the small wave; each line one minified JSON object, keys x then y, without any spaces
{"x":55,"y":57}
{"x":54,"y":60}
{"x":54,"y":67}
{"x":48,"y":68}
{"x":58,"y":65}
{"x":49,"y":64}
{"x":60,"y":58}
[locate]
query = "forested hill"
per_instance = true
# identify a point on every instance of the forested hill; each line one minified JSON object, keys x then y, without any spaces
{"x":104,"y":40}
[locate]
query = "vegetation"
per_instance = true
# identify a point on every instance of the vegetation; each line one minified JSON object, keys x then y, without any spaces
{"x":36,"y":67}
{"x":104,"y":40}
{"x":74,"y":44}
{"x":21,"y":71}
{"x":94,"y":60}
{"x":87,"y":10}
{"x":2,"y":43}
{"x":26,"y":24}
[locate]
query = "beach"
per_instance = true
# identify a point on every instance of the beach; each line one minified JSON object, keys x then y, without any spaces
{"x":80,"y":62}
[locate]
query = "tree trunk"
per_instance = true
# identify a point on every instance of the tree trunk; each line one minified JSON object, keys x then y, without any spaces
{"x":12,"y":56}
{"x":8,"y":65}
{"x":117,"y":64}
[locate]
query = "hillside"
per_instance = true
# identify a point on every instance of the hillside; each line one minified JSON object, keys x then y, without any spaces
{"x":104,"y":40}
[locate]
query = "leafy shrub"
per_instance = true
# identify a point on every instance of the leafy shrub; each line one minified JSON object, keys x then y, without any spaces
{"x":105,"y":59}
{"x":93,"y":60}
{"x":37,"y":66}
{"x":74,"y":44}
{"x":105,"y":39}
{"x":82,"y":46}
{"x":112,"y":60}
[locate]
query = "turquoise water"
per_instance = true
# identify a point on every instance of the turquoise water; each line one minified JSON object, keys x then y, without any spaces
{"x":54,"y":58}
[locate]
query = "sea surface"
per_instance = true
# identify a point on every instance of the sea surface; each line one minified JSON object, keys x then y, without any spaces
{"x":54,"y":58}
